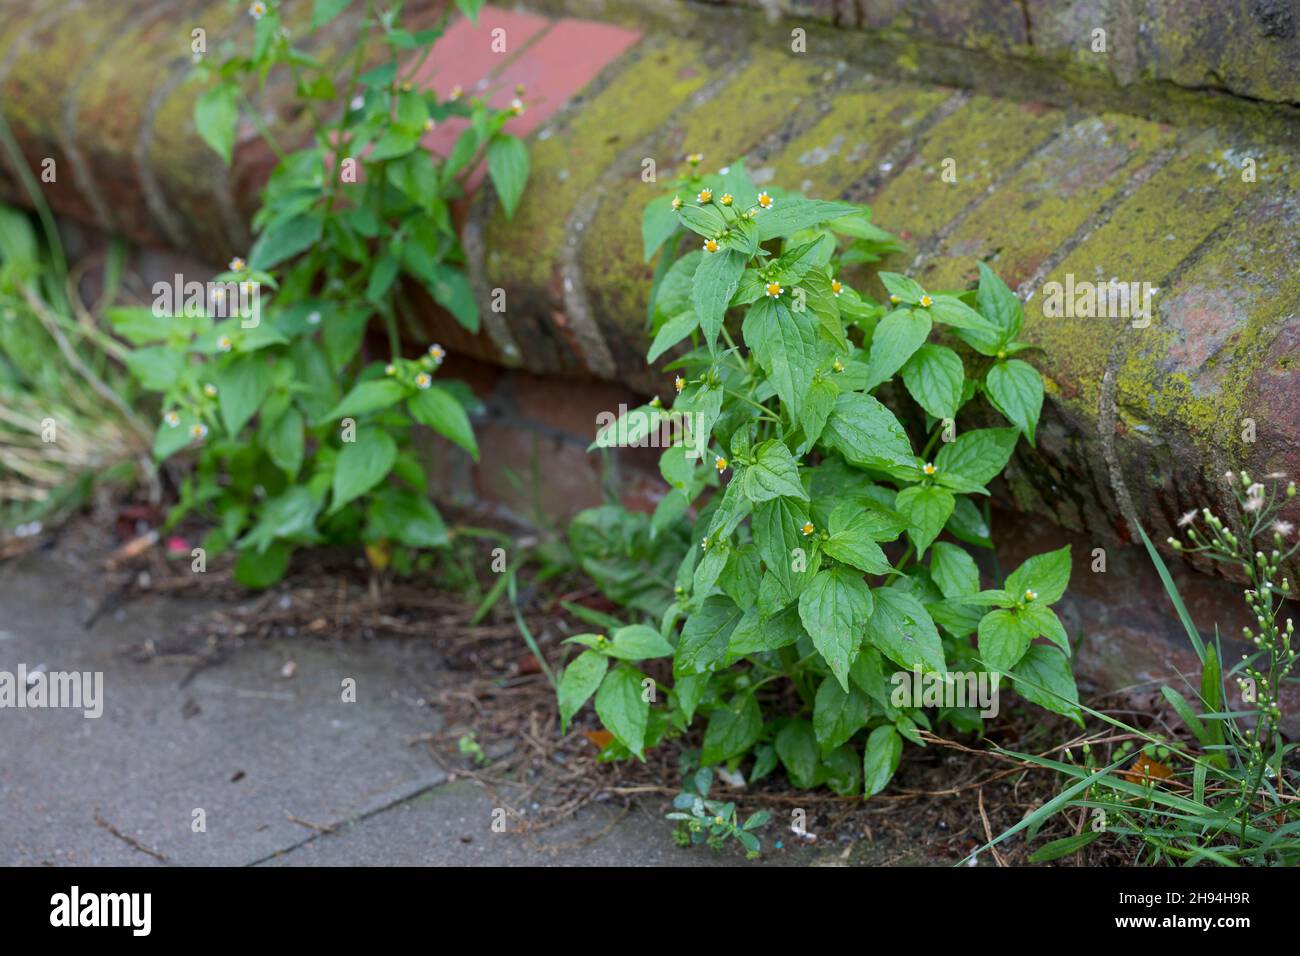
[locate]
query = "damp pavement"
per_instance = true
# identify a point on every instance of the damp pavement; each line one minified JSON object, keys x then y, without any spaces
{"x":278,"y":770}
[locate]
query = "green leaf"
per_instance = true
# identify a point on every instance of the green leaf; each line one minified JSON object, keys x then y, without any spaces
{"x":755,"y":633}
{"x":788,"y":215}
{"x":732,"y":730}
{"x":838,"y":713}
{"x":241,"y":388}
{"x":866,"y":433}
{"x":927,"y":510}
{"x":156,"y":368}
{"x":451,"y":290}
{"x":1004,"y":636}
{"x":776,"y":532}
{"x":1066,"y":846}
{"x":658,"y":222}
{"x":1001,"y":307}
{"x":715,"y":283}
{"x":934,"y":377}
{"x":834,"y":608}
{"x":672,"y":332}
{"x":438,"y":409}
{"x":1046,"y":681}
{"x":953,"y":570}
{"x":908,"y":291}
{"x":406,"y":517}
{"x":622,"y":708}
{"x":952,"y":311}
{"x":216,"y":115}
{"x":817,"y":408}
{"x":142,"y":325}
{"x":687,"y":693}
{"x":284,"y":240}
{"x":774,"y":473}
{"x":368,"y":396}
{"x":1046,"y":624}
{"x":896,"y":338}
{"x":903,"y":631}
{"x":393,"y":144}
{"x":706,"y":221}
{"x":884,"y":751}
{"x":1047,"y":575}
{"x":362,"y":464}
{"x":968,"y":524}
{"x":786,"y":346}
{"x":578,"y":682}
{"x":796,"y":745}
{"x":285,"y":444}
{"x":851,"y":539}
{"x":262,"y":569}
{"x":470,"y":8}
{"x":1016,"y":390}
{"x":705,"y":636}
{"x":382,"y":276}
{"x":638,"y":642}
{"x":975,"y":458}
{"x":507,"y":159}
{"x":326,"y":10}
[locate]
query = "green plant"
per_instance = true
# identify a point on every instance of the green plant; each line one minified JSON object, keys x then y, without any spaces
{"x":701,"y":820}
{"x":779,"y":608}
{"x":1232,"y":796}
{"x":299,"y":429}
{"x":65,"y":415}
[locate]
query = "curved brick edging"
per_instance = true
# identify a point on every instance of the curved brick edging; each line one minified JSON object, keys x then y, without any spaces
{"x":1079,"y":181}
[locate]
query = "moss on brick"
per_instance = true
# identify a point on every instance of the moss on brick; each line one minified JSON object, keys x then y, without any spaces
{"x":1144,"y":240}
{"x":1047,"y":201}
{"x":757,"y":101}
{"x":852,"y":139}
{"x":580,"y":146}
{"x":985,"y":137}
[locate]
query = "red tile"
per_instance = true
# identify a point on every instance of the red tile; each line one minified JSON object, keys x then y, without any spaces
{"x":465,"y":56}
{"x":557,"y":66}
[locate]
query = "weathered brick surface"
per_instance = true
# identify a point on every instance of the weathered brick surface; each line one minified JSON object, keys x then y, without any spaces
{"x":1138,"y":421}
{"x":1245,"y":47}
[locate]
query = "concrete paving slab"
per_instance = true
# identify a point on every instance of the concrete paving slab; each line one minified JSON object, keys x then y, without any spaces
{"x":238,"y":741}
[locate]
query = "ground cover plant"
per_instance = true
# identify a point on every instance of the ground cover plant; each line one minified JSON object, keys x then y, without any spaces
{"x":796,"y":564}
{"x":300,"y":434}
{"x":1228,"y":793}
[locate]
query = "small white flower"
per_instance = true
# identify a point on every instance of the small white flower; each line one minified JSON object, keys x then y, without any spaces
{"x":1187,"y":518}
{"x":257,"y":10}
{"x":313,"y":318}
{"x":237,"y":264}
{"x":423,"y":380}
{"x":1284,"y":528}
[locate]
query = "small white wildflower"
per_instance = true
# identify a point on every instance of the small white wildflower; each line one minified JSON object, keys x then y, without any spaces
{"x":1187,"y":518}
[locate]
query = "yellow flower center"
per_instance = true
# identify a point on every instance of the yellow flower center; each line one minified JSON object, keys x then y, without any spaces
{"x":807,"y":528}
{"x":706,"y":195}
{"x":929,"y":469}
{"x":720,"y":463}
{"x":726,"y":199}
{"x":927,"y":301}
{"x":774,"y":289}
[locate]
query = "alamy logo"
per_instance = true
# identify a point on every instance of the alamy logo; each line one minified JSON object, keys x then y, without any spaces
{"x":1099,"y":300}
{"x":73,"y":689}
{"x":217,"y":300}
{"x":103,"y":909}
{"x":953,"y":689}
